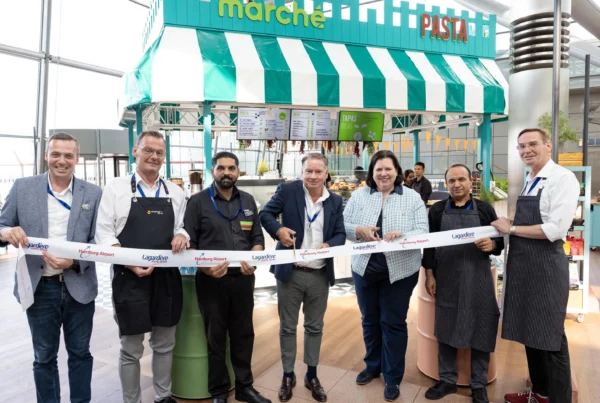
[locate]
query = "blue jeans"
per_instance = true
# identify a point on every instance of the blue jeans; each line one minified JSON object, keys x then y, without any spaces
{"x":384,"y":307}
{"x":54,"y":307}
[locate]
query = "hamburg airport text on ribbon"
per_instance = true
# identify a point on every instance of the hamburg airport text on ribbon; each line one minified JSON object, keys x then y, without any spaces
{"x":165,"y":258}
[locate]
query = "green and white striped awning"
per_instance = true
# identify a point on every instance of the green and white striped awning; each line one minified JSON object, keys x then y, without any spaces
{"x":191,"y":65}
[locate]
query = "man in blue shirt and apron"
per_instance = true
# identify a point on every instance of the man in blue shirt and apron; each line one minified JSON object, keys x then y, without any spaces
{"x":143,"y":211}
{"x":460,"y":277}
{"x":537,"y":271}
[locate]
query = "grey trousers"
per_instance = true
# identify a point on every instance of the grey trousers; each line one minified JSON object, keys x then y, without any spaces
{"x":311,"y":290}
{"x":480,"y":362}
{"x":162,"y":342}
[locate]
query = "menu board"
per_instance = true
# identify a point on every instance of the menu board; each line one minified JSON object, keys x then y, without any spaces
{"x":361,"y":126}
{"x":313,"y":125}
{"x":263,"y":124}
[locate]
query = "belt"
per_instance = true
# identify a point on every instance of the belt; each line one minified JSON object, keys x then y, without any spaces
{"x":307,"y":269}
{"x":59,"y":278}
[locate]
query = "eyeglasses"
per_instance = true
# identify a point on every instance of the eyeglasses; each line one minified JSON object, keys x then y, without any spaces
{"x":148,"y":152}
{"x":531,"y":146}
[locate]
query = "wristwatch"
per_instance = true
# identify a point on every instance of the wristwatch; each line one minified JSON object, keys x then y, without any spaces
{"x":513,"y":230}
{"x":75,"y":267}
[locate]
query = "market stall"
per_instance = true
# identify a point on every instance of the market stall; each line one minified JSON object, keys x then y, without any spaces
{"x":313,"y":71}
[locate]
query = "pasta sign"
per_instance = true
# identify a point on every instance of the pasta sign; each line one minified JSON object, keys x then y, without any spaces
{"x":444,"y":28}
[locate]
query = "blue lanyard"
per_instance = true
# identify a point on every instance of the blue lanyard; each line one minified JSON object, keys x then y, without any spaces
{"x":469,"y":206}
{"x":212,"y":197}
{"x":65,"y":205}
{"x":142,"y":192}
{"x":314,"y":217}
{"x":533,"y":185}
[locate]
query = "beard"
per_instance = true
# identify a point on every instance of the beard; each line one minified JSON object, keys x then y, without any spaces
{"x":226,"y":182}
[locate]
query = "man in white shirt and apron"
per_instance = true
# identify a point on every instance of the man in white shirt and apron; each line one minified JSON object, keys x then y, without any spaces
{"x":143,"y":211}
{"x":537,"y":272}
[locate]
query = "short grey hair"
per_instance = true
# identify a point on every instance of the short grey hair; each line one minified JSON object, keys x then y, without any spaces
{"x":315,"y":156}
{"x":62,"y":136}
{"x":151,"y":133}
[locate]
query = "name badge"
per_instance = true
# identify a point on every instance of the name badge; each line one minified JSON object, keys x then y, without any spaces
{"x":248,"y":213}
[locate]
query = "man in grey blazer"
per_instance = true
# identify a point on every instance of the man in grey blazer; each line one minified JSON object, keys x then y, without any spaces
{"x":56,"y":205}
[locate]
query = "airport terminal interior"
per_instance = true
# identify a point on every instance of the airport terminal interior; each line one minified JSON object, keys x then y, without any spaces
{"x":278,"y":104}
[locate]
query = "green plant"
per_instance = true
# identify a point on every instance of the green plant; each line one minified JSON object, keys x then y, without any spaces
{"x":565,"y":133}
{"x":502,"y":184}
{"x":487,"y":196}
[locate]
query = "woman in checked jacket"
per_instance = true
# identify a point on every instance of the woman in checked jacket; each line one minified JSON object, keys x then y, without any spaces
{"x":384,"y":282}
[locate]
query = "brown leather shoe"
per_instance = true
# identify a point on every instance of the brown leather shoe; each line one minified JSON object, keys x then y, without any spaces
{"x":285,"y":390}
{"x":318,"y":393}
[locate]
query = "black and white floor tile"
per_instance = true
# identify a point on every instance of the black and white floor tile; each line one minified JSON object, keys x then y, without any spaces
{"x":262,"y":296}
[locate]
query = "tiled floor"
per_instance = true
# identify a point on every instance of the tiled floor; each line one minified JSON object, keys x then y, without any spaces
{"x":262,"y":297}
{"x":340,"y":386}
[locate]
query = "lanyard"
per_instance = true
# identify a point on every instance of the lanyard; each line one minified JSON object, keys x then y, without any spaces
{"x":142,"y":192}
{"x":65,"y":205}
{"x":468,"y":207}
{"x":533,"y":185}
{"x":314,"y":217}
{"x":212,"y":197}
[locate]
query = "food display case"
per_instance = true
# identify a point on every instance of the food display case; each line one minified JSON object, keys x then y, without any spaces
{"x":344,"y":183}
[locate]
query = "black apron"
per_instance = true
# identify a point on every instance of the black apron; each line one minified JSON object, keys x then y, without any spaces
{"x":157,"y":299}
{"x":466,"y":310}
{"x":536,"y":290}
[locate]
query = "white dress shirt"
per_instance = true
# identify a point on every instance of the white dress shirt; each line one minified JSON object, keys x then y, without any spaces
{"x":313,"y":233}
{"x":116,"y":203}
{"x":58,"y":219}
{"x":559,"y":198}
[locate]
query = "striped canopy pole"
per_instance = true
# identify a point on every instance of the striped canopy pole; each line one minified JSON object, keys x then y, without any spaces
{"x":484,"y":133}
{"x":168,"y":154}
{"x":207,"y":125}
{"x":131,"y":138}
{"x":416,"y":148}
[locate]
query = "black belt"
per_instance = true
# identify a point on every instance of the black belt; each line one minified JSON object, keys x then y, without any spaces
{"x":306,"y":269}
{"x":59,"y":278}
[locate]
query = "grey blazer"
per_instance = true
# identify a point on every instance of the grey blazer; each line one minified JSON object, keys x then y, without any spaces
{"x":27,"y":207}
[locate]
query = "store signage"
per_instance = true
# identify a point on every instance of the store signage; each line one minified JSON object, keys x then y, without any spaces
{"x":283,"y":15}
{"x":444,"y":28}
{"x":360,"y":126}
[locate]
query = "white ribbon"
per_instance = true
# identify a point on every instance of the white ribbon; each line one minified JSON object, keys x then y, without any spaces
{"x":165,"y":258}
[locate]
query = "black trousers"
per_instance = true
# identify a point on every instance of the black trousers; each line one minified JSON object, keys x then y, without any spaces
{"x":550,"y":372}
{"x":480,"y":362}
{"x":226,"y":304}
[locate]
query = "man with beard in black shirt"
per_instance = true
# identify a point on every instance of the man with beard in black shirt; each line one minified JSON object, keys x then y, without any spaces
{"x":225,"y":218}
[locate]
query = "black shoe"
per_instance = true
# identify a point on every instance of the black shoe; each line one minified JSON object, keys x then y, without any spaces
{"x":391,"y":392}
{"x":220,"y":399}
{"x":439,"y":390}
{"x":165,"y":400}
{"x":365,"y":377}
{"x":250,"y":395}
{"x":479,"y":395}
{"x":285,"y":390}
{"x":318,"y":393}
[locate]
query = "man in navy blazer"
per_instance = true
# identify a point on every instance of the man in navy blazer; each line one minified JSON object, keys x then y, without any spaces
{"x":56,"y":205}
{"x":311,"y":218}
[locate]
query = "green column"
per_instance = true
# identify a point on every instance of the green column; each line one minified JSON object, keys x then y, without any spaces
{"x":484,"y":135}
{"x":131,"y":137}
{"x":138,"y":120}
{"x":207,"y":124}
{"x":168,"y":156}
{"x":416,"y":148}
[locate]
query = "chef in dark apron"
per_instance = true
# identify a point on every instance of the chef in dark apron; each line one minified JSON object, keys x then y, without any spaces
{"x":143,"y":211}
{"x":536,"y":287}
{"x":459,"y":276}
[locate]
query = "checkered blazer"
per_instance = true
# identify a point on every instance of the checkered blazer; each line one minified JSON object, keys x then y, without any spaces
{"x":403,"y":211}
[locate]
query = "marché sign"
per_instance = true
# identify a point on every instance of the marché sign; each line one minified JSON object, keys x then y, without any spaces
{"x":283,"y":15}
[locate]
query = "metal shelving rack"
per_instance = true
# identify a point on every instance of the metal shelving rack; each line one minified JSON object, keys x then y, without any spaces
{"x":579,"y":298}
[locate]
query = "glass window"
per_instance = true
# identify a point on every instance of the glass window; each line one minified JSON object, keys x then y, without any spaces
{"x":81,"y":99}
{"x":20,"y":23}
{"x":18,"y":94}
{"x":106,"y":33}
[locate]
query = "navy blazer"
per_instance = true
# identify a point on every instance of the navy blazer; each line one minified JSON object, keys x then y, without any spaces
{"x":288,"y":201}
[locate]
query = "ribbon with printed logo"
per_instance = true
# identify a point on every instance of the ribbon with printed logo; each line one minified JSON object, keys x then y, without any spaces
{"x":165,"y":258}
